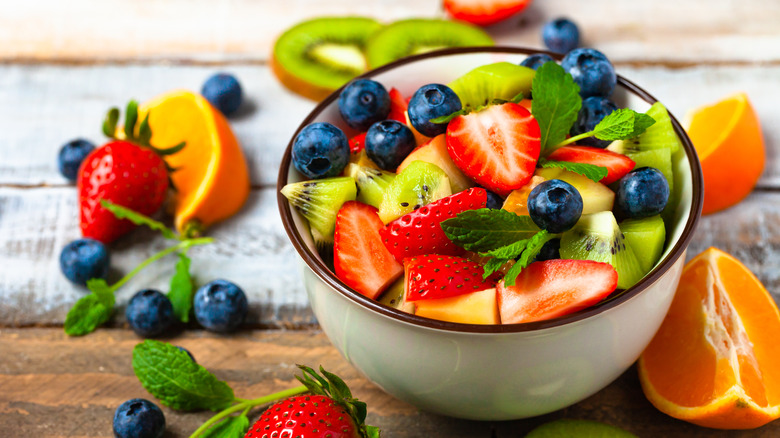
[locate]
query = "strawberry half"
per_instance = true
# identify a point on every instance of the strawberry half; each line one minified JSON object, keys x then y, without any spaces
{"x":497,"y":147}
{"x":360,"y":258}
{"x":618,"y":165}
{"x":398,"y":106}
{"x":419,"y":232}
{"x":484,"y":12}
{"x":553,"y":288}
{"x":434,"y":276}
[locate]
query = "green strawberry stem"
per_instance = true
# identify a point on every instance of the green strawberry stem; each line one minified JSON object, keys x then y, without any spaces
{"x":246,"y":405}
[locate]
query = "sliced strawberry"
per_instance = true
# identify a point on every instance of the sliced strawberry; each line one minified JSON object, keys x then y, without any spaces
{"x":484,"y":12}
{"x":360,"y":258}
{"x":618,"y":165}
{"x":553,"y":288}
{"x":497,"y":147}
{"x":398,"y":106}
{"x":357,"y":143}
{"x":433,"y":276}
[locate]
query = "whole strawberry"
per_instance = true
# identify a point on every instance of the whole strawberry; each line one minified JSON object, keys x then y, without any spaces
{"x":329,"y":411}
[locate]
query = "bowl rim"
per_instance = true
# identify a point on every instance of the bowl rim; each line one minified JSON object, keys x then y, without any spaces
{"x":318,"y":267}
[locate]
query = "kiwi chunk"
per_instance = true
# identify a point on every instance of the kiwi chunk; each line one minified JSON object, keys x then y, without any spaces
{"x":647,"y":236}
{"x":597,"y":237}
{"x":415,"y":36}
{"x":660,"y":135}
{"x":418,"y":185}
{"x":502,"y":80}
{"x":371,"y":183}
{"x":319,"y":202}
{"x":315,"y":57}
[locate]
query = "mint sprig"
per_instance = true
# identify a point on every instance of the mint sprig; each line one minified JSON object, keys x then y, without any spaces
{"x":590,"y":171}
{"x":556,"y":104}
{"x":485,"y":229}
{"x":139,"y":219}
{"x":620,"y":124}
{"x":532,"y":249}
{"x":182,"y":289}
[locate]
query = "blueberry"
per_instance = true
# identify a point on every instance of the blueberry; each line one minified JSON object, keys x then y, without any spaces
{"x":150,"y":313}
{"x":555,"y":205}
{"x":138,"y":418}
{"x":593,"y":110}
{"x":592,"y":71}
{"x":642,"y":192}
{"x":71,"y":155}
{"x":83,"y":259}
{"x":187,"y":351}
{"x":494,"y":201}
{"x":536,"y":60}
{"x":224,"y":92}
{"x":320,"y":150}
{"x":561,"y":35}
{"x":220,"y":306}
{"x":550,"y":250}
{"x":364,"y":102}
{"x":388,"y":143}
{"x":429,"y":102}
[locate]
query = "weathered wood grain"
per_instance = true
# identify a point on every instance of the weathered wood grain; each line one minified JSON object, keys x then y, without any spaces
{"x":200,"y":30}
{"x":54,"y":386}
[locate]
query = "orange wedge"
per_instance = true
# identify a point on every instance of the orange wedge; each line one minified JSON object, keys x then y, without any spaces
{"x":211,"y":176}
{"x":715,"y":361}
{"x":727,"y":137}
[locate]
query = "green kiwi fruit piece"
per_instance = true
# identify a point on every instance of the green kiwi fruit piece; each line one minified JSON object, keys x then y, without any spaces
{"x":419,"y":184}
{"x":647,"y":237}
{"x":660,"y":135}
{"x":597,"y":237}
{"x":415,"y":36}
{"x":567,"y":428}
{"x":394,"y":295}
{"x":502,"y":80}
{"x":371,"y":183}
{"x":317,"y":56}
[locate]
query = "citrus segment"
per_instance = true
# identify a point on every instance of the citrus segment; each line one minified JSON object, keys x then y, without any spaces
{"x":715,"y":361}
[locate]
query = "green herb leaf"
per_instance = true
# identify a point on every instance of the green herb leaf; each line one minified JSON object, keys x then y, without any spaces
{"x":182,"y":289}
{"x":109,"y":123}
{"x":502,"y":255}
{"x":87,"y":314}
{"x":642,"y":121}
{"x":556,"y":102}
{"x":535,"y":244}
{"x":622,"y":124}
{"x":590,"y":171}
{"x":170,"y":375}
{"x":131,"y":118}
{"x":485,"y":229}
{"x":447,"y":118}
{"x":138,"y":218}
{"x":232,"y":427}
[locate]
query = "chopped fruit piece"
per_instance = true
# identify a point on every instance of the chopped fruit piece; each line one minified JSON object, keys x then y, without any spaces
{"x":617,"y":164}
{"x":357,"y":143}
{"x":553,"y":288}
{"x":418,"y":185}
{"x":371,"y":183}
{"x":502,"y":80}
{"x":647,"y":237}
{"x":419,"y":232}
{"x":362,"y":160}
{"x":433,"y":276}
{"x":517,"y":201}
{"x":714,"y":361}
{"x":361,"y":260}
{"x":419,"y":138}
{"x":484,"y":12}
{"x":472,"y":308}
{"x":395,"y":296}
{"x":435,"y":152}
{"x":398,"y":106}
{"x":596,"y":197}
{"x":497,"y":147}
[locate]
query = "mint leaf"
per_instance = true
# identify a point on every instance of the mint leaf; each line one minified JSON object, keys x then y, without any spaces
{"x":557,"y":102}
{"x":535,"y":244}
{"x":181,"y":289}
{"x":485,"y":229}
{"x":232,"y":427}
{"x":622,"y":124}
{"x":590,"y":171}
{"x":642,"y":121}
{"x":89,"y":313}
{"x":170,"y":375}
{"x":138,"y":218}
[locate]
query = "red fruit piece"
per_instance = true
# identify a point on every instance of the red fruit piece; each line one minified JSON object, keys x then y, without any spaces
{"x":360,"y":258}
{"x":419,"y":232}
{"x":497,"y":147}
{"x":125,"y":174}
{"x":484,"y":12}
{"x":618,"y":165}
{"x":553,"y":288}
{"x":398,"y":106}
{"x":357,"y":143}
{"x":304,"y":415}
{"x":434,"y":276}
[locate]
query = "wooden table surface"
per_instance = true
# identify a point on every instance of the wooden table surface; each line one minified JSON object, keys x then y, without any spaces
{"x":63,"y":64}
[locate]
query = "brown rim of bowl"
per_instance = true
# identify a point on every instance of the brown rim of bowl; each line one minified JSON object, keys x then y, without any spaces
{"x":318,"y":267}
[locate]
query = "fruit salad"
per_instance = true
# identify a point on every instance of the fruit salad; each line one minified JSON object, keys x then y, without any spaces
{"x":515,"y":193}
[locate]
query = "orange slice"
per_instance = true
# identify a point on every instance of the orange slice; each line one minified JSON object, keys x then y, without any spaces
{"x":211,"y":176}
{"x":715,"y":361}
{"x":727,"y":137}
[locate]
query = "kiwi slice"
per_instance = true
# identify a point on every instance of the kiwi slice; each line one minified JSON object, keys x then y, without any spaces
{"x":319,"y":202}
{"x":371,"y":183}
{"x":315,"y":57}
{"x":660,"y":135}
{"x":647,"y":236}
{"x":502,"y":80}
{"x":419,"y":184}
{"x":597,"y":237}
{"x":415,"y":36}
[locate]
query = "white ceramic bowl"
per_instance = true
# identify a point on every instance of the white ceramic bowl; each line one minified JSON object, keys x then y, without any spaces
{"x":496,"y":372}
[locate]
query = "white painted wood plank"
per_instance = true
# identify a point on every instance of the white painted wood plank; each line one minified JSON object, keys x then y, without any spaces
{"x":208,"y":30}
{"x":252,"y":250}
